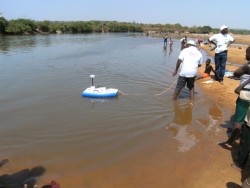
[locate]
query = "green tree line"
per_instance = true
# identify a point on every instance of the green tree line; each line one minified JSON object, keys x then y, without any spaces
{"x":27,"y":26}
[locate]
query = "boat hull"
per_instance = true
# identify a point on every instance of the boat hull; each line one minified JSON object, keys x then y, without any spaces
{"x":100,"y":92}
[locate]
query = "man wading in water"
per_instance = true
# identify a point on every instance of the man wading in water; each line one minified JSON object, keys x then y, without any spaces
{"x":191,"y":59}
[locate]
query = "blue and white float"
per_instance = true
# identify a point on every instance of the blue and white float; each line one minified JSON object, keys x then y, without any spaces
{"x":99,"y":92}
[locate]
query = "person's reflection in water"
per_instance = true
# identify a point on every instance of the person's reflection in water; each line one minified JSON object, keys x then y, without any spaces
{"x":183,"y":113}
{"x":215,"y":115}
{"x":165,"y":49}
{"x":182,"y":120}
{"x":170,"y":50}
{"x":215,"y":112}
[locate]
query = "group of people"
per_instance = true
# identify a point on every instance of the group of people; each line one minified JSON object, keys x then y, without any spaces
{"x":191,"y":58}
{"x":165,"y":41}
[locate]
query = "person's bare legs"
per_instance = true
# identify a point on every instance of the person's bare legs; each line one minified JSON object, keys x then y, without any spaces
{"x":192,"y":94}
{"x":235,"y":132}
{"x":176,"y":93}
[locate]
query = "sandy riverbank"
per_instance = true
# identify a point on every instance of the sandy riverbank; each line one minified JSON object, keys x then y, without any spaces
{"x":225,"y":93}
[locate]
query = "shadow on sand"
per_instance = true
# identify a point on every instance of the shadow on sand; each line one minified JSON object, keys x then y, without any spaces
{"x":24,"y":178}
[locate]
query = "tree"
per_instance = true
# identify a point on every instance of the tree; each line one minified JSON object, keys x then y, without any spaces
{"x":206,"y":29}
{"x":20,"y":26}
{"x":3,"y":24}
{"x":43,"y":26}
{"x":86,"y":27}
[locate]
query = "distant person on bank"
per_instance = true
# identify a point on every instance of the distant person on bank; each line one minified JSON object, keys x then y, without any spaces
{"x":183,"y":42}
{"x":221,"y":41}
{"x":165,"y":40}
{"x":191,"y":59}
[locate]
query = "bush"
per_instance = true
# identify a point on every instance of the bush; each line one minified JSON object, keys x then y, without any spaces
{"x":3,"y":24}
{"x":20,"y":26}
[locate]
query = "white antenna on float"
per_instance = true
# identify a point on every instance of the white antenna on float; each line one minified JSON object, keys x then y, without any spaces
{"x":99,"y":92}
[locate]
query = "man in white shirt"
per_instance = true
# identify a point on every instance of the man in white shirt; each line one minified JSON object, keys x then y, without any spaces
{"x":191,"y":59}
{"x":221,"y":41}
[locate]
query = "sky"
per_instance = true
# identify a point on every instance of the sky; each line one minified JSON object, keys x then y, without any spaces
{"x":213,"y":13}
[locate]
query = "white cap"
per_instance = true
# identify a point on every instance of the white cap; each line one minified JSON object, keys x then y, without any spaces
{"x":191,"y":42}
{"x":223,"y":27}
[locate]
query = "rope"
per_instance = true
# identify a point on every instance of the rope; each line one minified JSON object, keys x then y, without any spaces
{"x":166,"y":89}
{"x":129,"y":94}
{"x":154,"y":94}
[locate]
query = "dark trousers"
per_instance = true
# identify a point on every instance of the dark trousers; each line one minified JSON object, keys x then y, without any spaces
{"x":244,"y":145}
{"x":220,"y":61}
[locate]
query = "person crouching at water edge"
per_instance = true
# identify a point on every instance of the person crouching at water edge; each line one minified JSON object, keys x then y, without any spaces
{"x":191,"y":59}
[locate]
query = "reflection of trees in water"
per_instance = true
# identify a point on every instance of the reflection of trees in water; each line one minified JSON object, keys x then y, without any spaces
{"x":4,"y":44}
{"x":25,"y":43}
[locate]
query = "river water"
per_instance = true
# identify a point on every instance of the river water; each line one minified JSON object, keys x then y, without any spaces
{"x":139,"y":139}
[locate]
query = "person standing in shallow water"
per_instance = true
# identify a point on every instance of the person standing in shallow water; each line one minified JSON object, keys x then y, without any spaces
{"x":165,"y":40}
{"x":170,"y":42}
{"x":191,"y":59}
{"x":221,"y":41}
